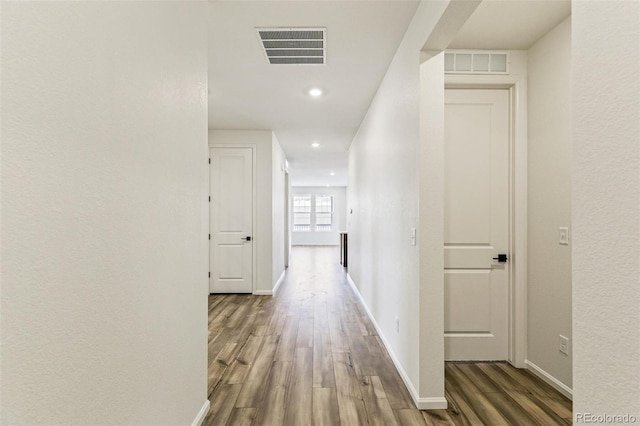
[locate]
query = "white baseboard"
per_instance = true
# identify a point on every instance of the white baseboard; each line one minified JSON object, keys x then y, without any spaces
{"x":275,"y":287}
{"x":201,"y":414}
{"x":430,"y":403}
{"x":548,"y":378}
{"x":316,"y":245}
{"x":279,"y":282}
{"x":436,"y":403}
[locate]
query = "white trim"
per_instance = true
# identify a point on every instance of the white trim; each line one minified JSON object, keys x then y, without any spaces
{"x":274,"y":290}
{"x":254,"y":224}
{"x":316,"y":245}
{"x":201,"y":414}
{"x":430,"y":403}
{"x":549,"y":379}
{"x":436,"y":403}
{"x":279,"y":282}
{"x":516,"y":84}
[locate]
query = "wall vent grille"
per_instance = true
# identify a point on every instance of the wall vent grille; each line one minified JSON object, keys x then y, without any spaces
{"x":294,"y":46}
{"x":476,"y":62}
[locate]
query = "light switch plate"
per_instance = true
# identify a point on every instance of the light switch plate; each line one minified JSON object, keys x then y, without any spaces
{"x":563,"y":236}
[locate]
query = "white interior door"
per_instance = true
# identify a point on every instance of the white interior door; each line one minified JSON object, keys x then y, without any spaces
{"x":476,"y":224}
{"x":231,"y":216}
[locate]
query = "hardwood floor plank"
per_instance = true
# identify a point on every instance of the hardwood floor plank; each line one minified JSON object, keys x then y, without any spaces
{"x":396,"y":391}
{"x":323,"y":375}
{"x":478,"y":377}
{"x":240,"y":368}
{"x":350,"y":403}
{"x":305,"y":333}
{"x":379,"y":411}
{"x":287,"y":346}
{"x":272,"y":411}
{"x":540,"y":412}
{"x":511,"y":411}
{"x":339,"y":341}
{"x":437,"y":417}
{"x":364,"y":363}
{"x":219,"y":365}
{"x":217,"y":343}
{"x":242,"y":417}
{"x":500,"y":377}
{"x":298,"y":408}
{"x":532,"y":383}
{"x":260,"y":330}
{"x":562,"y":408}
{"x":238,"y":316}
{"x":409,"y":417}
{"x":222,"y":401}
{"x":255,"y":382}
{"x":325,"y":407}
{"x":481,"y":406}
{"x":459,"y":410}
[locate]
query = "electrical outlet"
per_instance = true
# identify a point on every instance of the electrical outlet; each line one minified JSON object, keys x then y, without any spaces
{"x":397,"y":324}
{"x":563,"y":236}
{"x":564,"y":345}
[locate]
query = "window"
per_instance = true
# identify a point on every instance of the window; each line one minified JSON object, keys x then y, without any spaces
{"x":324,"y":212}
{"x":302,"y":213}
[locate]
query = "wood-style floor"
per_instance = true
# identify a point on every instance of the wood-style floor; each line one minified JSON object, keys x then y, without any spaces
{"x":310,"y":356}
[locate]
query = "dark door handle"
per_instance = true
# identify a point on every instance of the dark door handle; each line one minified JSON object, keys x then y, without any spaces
{"x":247,"y":238}
{"x":502,"y":258}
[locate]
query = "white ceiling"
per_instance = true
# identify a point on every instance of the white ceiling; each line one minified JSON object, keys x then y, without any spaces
{"x":248,"y":93}
{"x":510,"y":24}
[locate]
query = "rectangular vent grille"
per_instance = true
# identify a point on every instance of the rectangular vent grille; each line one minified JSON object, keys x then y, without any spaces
{"x":478,"y":62}
{"x":294,"y":46}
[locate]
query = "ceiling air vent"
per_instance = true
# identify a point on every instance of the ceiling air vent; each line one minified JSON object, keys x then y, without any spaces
{"x":475,"y":62}
{"x":294,"y":46}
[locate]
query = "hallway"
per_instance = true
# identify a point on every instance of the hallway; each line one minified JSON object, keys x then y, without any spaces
{"x":310,"y":355}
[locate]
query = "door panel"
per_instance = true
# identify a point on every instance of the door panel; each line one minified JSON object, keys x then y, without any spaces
{"x":468,"y":183}
{"x":468,"y":298}
{"x":476,"y":224}
{"x":231,"y":220}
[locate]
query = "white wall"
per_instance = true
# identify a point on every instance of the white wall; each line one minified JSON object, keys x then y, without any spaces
{"x":104,"y":212}
{"x":549,"y":201}
{"x":313,"y":238}
{"x":431,"y":237}
{"x":278,"y":202}
{"x":270,"y":186}
{"x":384,"y":193}
{"x":606,"y":199}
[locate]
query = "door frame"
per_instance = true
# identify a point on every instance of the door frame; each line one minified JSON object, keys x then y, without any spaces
{"x":287,"y":217}
{"x":516,"y":85}
{"x":254,"y":196}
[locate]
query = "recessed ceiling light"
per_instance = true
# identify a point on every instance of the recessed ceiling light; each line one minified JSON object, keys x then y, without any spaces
{"x":332,"y":174}
{"x":315,"y":92}
{"x":327,"y":185}
{"x":315,"y":144}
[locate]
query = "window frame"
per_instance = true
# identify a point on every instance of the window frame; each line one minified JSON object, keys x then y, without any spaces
{"x":294,"y":212}
{"x":329,"y":213}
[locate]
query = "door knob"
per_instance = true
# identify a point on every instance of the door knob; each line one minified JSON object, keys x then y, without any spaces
{"x":246,"y":238}
{"x":502,"y":258}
